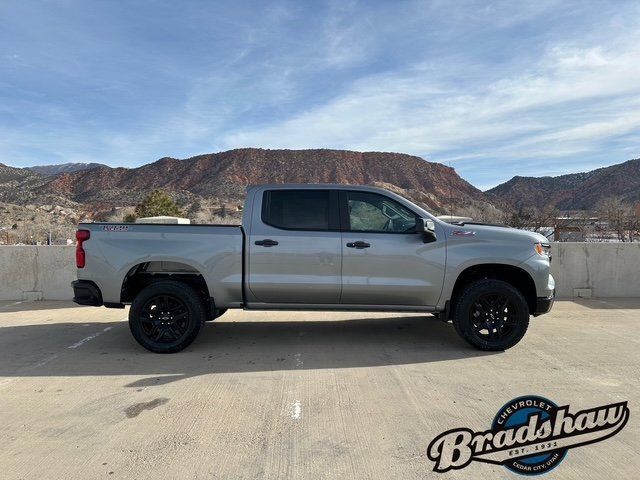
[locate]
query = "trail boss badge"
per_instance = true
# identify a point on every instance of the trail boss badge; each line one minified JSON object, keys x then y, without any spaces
{"x":529,"y":435}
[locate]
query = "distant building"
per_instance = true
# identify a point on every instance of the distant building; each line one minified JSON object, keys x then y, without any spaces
{"x":570,"y":228}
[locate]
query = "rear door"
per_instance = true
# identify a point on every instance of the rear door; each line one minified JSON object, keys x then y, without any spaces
{"x":385,"y":262}
{"x":295,"y":247}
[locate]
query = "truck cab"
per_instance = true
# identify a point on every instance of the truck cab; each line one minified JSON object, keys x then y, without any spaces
{"x":347,"y":247}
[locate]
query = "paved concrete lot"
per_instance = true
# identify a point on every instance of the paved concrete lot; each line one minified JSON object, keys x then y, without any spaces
{"x":296,"y":394}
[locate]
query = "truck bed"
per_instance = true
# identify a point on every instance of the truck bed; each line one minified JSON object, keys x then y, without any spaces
{"x":117,"y":249}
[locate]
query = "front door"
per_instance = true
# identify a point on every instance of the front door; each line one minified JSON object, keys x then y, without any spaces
{"x":295,"y":247}
{"x":385,"y":262}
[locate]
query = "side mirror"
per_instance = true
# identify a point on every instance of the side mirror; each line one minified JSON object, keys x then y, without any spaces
{"x":427,"y":228}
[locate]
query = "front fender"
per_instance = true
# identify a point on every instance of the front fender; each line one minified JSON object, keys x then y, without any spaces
{"x":463,"y":253}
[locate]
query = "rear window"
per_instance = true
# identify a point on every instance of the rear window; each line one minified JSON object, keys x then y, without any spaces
{"x":296,"y":209}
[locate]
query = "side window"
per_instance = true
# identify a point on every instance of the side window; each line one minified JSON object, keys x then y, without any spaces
{"x":296,"y":209}
{"x":370,"y":212}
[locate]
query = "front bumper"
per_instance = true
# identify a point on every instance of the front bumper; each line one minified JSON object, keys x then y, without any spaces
{"x":544,"y":304}
{"x":86,"y":292}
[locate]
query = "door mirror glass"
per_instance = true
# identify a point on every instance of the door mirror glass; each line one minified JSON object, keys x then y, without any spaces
{"x":428,"y":229}
{"x":425,"y":225}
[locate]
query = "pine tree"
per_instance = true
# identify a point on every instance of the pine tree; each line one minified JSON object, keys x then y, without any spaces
{"x":155,"y":204}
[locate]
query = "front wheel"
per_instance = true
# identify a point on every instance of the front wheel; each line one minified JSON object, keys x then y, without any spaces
{"x":491,"y":315}
{"x":166,"y":316}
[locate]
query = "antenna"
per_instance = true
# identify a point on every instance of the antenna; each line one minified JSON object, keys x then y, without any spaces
{"x":450,"y":197}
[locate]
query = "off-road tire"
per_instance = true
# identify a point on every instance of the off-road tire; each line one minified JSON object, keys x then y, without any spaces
{"x":178,"y":293}
{"x":467,"y":304}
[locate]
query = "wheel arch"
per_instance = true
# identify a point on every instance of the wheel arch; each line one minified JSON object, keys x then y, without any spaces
{"x":143,"y":274}
{"x":514,"y":275}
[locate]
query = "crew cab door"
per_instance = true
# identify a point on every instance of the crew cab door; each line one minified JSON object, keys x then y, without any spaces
{"x":295,"y":247}
{"x":384,"y":260}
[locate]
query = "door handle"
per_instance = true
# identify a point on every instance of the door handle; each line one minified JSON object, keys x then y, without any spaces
{"x":359,"y":244}
{"x":267,"y":242}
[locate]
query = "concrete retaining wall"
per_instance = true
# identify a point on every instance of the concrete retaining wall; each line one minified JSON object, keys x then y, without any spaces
{"x":580,"y":269}
{"x":596,"y":269}
{"x":34,"y":272}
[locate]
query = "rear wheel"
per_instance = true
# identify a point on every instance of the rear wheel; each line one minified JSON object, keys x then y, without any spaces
{"x":166,"y":316}
{"x":491,"y":315}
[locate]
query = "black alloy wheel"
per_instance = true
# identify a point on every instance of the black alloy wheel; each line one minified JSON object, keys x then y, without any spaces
{"x":164,"y":319}
{"x":491,"y":314}
{"x":493,"y":317}
{"x":166,"y":316}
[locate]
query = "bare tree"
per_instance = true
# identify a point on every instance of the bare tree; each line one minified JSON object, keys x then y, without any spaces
{"x":483,"y":212}
{"x":535,"y":219}
{"x":620,"y":217}
{"x":632,"y":223}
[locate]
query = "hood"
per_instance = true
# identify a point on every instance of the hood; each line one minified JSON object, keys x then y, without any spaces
{"x":492,"y":232}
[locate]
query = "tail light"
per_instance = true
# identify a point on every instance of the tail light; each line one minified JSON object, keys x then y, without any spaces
{"x":81,"y":237}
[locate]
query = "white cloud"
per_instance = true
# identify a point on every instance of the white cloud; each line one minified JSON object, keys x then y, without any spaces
{"x":569,"y":101}
{"x":346,"y":35}
{"x":480,"y":84}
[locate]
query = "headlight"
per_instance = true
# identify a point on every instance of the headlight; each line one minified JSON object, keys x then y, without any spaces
{"x":543,"y":249}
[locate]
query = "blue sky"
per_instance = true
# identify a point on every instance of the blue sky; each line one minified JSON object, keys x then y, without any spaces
{"x":494,"y":89}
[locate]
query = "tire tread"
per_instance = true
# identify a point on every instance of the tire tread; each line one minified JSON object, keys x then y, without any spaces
{"x":178,"y":289}
{"x":461,"y":306}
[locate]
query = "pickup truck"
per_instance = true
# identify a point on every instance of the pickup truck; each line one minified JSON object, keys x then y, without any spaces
{"x":316,"y":247}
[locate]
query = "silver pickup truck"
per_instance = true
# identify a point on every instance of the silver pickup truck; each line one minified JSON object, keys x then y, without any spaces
{"x":316,"y":247}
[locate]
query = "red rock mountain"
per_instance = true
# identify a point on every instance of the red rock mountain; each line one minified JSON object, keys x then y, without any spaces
{"x":225,"y":175}
{"x":576,"y":191}
{"x":220,"y":177}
